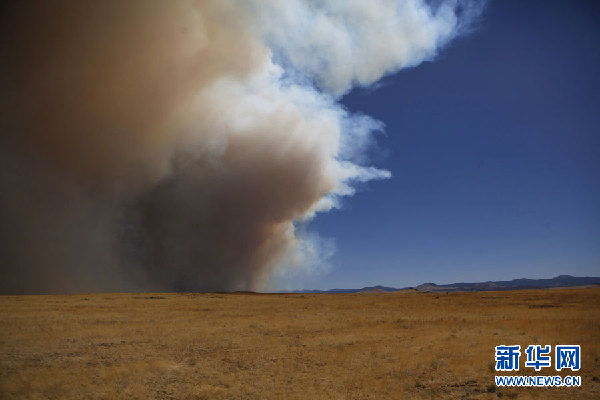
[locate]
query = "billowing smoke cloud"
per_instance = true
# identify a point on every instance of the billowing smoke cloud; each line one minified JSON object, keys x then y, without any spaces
{"x":176,"y":145}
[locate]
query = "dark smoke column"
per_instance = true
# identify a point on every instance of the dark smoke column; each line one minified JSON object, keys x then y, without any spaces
{"x":157,"y":145}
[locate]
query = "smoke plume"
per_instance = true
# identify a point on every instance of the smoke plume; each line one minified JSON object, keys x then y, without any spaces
{"x":177,"y":145}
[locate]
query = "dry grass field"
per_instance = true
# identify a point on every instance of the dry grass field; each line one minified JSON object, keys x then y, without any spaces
{"x":288,"y":346}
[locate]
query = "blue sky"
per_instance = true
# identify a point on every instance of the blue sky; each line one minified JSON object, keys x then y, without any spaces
{"x":495,"y":156}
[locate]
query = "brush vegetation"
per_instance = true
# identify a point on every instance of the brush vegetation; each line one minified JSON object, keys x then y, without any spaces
{"x":288,"y":346}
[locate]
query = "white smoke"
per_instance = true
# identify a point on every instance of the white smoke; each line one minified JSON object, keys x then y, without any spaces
{"x":343,"y":43}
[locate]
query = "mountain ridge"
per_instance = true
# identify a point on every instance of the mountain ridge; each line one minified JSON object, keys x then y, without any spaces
{"x":514,"y":284}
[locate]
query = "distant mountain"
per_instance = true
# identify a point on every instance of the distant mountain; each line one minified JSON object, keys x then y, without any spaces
{"x":377,"y":288}
{"x":523,"y":283}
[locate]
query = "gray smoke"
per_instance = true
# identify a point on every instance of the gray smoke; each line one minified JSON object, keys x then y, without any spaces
{"x":154,"y":145}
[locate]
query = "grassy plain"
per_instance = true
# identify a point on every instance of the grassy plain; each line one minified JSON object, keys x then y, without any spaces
{"x":288,"y":346}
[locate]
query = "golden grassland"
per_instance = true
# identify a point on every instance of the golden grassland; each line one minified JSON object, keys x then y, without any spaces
{"x":288,"y":346}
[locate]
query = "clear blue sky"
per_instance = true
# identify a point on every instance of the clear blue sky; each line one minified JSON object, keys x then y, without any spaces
{"x":494,"y":149}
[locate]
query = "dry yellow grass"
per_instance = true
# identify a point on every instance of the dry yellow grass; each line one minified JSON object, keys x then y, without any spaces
{"x":246,"y":346}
